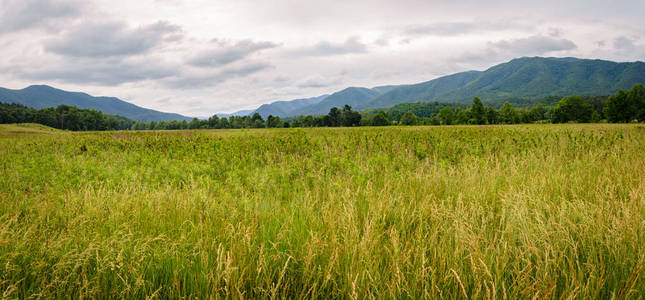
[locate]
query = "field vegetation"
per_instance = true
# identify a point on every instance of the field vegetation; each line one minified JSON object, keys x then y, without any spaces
{"x":498,"y":212}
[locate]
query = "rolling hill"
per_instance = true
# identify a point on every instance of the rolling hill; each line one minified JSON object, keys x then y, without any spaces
{"x":525,"y":80}
{"x":423,"y":91}
{"x":352,"y":96}
{"x":522,"y":78}
{"x":42,"y":96}
{"x":286,"y":108}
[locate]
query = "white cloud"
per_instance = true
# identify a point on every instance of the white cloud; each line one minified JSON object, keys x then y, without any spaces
{"x":18,"y":15}
{"x":318,"y":81}
{"x":112,"y":39}
{"x":224,"y":52}
{"x":533,"y":45}
{"x":352,"y":45}
{"x":148,"y":50}
{"x":214,"y":78}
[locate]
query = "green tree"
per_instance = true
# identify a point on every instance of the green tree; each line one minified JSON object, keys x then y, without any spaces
{"x":447,"y":116}
{"x":194,"y":124}
{"x":626,"y":106}
{"x":223,"y":123}
{"x":334,"y":117}
{"x":434,"y":120}
{"x":349,"y":117}
{"x":638,"y":94}
{"x":256,"y":116}
{"x":491,"y":115}
{"x":273,"y":122}
{"x":462,"y":116}
{"x":618,"y":109}
{"x":380,"y":119}
{"x":508,"y":114}
{"x":537,"y":113}
{"x":409,"y":118}
{"x":572,"y":108}
{"x":213,"y":122}
{"x":478,"y":112}
{"x":258,"y":124}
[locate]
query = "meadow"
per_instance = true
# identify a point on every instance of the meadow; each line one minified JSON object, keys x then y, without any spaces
{"x":494,"y":212}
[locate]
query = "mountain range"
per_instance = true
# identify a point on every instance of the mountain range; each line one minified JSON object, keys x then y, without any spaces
{"x":526,"y":79}
{"x":42,"y":96}
{"x":287,"y":108}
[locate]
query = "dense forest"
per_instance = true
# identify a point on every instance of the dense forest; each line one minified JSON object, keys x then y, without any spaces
{"x":63,"y":117}
{"x":623,"y":107}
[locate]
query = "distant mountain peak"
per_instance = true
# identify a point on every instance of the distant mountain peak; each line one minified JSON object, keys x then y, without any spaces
{"x":520,"y":78}
{"x":525,"y":78}
{"x":42,"y":96}
{"x":530,"y":77}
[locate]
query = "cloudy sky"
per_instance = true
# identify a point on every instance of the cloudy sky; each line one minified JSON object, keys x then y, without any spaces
{"x":199,"y":57}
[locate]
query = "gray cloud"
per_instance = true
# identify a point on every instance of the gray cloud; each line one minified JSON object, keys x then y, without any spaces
{"x":318,"y":82}
{"x":211,"y":79}
{"x":382,"y":41}
{"x":460,"y":28}
{"x":22,"y":14}
{"x":442,"y":29}
{"x":280,"y":78}
{"x":555,"y":32}
{"x":111,"y":53}
{"x":106,"y":72}
{"x":112,"y":39}
{"x":114,"y":47}
{"x":624,"y":43}
{"x":513,"y":48}
{"x":352,"y":45}
{"x":533,"y":45}
{"x":226,"y":53}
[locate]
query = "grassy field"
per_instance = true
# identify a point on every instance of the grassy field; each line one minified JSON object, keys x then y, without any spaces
{"x":544,"y":211}
{"x":27,"y":128}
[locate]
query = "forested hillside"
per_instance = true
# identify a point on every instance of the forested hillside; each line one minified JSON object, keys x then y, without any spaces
{"x":42,"y":96}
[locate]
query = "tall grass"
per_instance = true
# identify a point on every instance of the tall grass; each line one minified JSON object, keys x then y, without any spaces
{"x":541,"y":211}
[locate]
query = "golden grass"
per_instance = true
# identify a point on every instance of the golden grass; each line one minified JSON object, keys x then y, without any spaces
{"x":530,"y":211}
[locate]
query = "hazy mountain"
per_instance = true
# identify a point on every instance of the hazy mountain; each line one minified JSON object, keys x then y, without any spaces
{"x":352,"y":96}
{"x":385,"y":88}
{"x":320,"y":105}
{"x":240,"y":113}
{"x":528,"y":78}
{"x":424,"y":91}
{"x":286,"y":108}
{"x":542,"y":77}
{"x":42,"y":96}
{"x":522,"y":78}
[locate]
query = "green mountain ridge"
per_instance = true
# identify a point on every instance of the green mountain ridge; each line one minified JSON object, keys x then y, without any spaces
{"x":525,"y":78}
{"x":421,"y":91}
{"x":43,"y":96}
{"x":286,"y":108}
{"x":352,"y":96}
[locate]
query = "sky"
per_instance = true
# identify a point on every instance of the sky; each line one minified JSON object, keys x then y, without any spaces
{"x":201,"y":57}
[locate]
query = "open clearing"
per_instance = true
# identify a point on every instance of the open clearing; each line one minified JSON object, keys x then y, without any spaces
{"x":552,"y":211}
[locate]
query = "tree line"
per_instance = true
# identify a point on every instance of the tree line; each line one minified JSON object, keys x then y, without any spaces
{"x":63,"y":117}
{"x":623,"y":107}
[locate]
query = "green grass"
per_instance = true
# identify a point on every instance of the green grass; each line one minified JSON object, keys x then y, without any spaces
{"x":26,"y":128}
{"x":546,"y":211}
